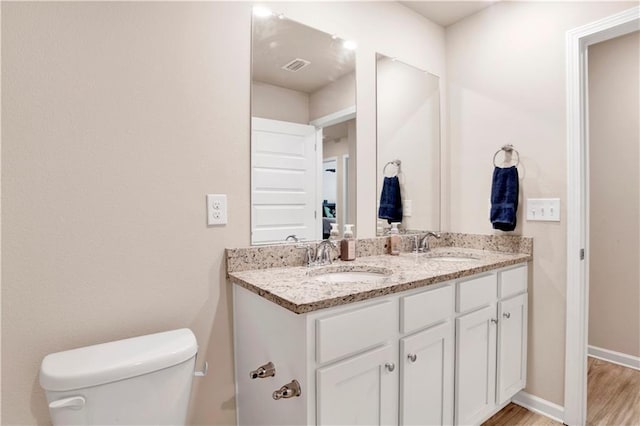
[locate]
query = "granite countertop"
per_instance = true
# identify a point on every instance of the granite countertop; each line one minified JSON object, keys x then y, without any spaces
{"x":299,"y":290}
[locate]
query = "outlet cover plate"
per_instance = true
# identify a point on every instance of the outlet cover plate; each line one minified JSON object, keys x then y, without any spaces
{"x":216,"y":209}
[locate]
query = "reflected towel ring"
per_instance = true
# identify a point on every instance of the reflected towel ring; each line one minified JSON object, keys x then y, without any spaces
{"x":395,"y":163}
{"x":508,"y":149}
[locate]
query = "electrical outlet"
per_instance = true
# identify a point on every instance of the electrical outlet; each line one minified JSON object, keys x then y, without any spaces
{"x":216,"y":209}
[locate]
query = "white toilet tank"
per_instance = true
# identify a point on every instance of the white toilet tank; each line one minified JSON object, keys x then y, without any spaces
{"x":139,"y":381}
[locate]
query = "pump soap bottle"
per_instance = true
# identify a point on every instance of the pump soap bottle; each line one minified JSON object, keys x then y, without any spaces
{"x":394,"y":237}
{"x":348,"y":244}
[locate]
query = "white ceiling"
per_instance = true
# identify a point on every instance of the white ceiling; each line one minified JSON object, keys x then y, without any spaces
{"x":446,"y":13}
{"x":278,"y":41}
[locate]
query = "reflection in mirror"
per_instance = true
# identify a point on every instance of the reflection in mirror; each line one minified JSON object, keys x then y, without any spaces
{"x":303,"y":131}
{"x":408,"y":121}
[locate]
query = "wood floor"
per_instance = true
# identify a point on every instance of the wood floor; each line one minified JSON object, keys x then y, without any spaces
{"x":613,"y":399}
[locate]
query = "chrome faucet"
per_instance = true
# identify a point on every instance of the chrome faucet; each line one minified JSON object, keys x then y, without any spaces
{"x":292,"y":237}
{"x":320,"y":254}
{"x":310,"y":254}
{"x":323,"y":252}
{"x":424,"y":244}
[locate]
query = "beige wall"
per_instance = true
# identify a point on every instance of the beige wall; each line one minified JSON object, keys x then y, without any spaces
{"x":614,"y":151}
{"x":339,"y":148}
{"x":506,"y":72}
{"x":117,"y":119}
{"x":408,"y":120}
{"x":334,"y":97}
{"x":279,"y":103}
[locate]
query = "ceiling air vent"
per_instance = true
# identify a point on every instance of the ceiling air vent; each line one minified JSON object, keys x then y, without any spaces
{"x":296,"y":65}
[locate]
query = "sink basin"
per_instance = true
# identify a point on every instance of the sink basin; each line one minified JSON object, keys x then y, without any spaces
{"x":451,"y":257}
{"x":349,"y":274}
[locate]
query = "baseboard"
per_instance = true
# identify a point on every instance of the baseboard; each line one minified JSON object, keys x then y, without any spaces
{"x":539,"y":405}
{"x":615,"y":357}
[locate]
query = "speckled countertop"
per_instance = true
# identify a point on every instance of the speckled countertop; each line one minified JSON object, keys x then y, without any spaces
{"x":300,"y":289}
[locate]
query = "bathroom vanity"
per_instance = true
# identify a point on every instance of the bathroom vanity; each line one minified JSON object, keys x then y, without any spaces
{"x":437,"y":338}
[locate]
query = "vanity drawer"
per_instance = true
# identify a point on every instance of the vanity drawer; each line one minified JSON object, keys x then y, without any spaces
{"x":513,"y":281}
{"x":426,"y":308}
{"x":353,"y":331}
{"x":476,"y":292}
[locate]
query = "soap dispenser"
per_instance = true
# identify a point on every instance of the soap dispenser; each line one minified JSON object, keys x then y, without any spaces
{"x":394,"y":239}
{"x":334,"y":234}
{"x":348,"y":244}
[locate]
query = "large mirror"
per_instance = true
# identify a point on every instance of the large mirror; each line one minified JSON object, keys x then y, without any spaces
{"x":303,"y":131}
{"x":408,"y":146}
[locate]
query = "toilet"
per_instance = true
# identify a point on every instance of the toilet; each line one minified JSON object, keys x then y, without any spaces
{"x":139,"y":381}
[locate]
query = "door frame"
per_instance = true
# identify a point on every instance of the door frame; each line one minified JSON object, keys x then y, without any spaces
{"x":577,"y":308}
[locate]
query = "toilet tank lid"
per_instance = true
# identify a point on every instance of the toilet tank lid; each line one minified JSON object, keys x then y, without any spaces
{"x":122,"y":359}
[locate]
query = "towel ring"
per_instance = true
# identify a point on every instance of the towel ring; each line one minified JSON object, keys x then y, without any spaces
{"x":508,"y":149}
{"x":395,"y":163}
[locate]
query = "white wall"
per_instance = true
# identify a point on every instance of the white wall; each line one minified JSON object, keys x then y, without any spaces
{"x":614,"y":152}
{"x":279,"y":103}
{"x":506,"y":72}
{"x":117,"y":119}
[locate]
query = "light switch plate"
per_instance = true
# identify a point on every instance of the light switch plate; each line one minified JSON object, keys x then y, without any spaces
{"x":216,"y":209}
{"x":543,"y":209}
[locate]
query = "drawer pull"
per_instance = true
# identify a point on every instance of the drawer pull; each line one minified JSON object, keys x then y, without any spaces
{"x":289,"y":390}
{"x":494,"y":321}
{"x":507,"y":315}
{"x":390,"y":366}
{"x":412,"y":357}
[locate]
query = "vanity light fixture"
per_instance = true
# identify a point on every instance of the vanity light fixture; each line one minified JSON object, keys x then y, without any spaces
{"x":261,"y":12}
{"x":350,"y":44}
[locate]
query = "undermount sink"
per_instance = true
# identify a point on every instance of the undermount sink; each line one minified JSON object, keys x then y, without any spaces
{"x":451,"y":257}
{"x":350,"y":274}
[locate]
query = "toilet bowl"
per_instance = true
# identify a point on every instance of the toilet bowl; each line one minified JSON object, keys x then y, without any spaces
{"x":139,"y":381}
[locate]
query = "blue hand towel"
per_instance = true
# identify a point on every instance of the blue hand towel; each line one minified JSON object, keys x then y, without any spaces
{"x":504,"y":198}
{"x":390,"y":200}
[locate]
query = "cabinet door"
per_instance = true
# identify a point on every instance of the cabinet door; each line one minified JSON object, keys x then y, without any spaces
{"x":512,"y":346}
{"x":359,"y":391}
{"x":426,"y":380}
{"x":475,"y":366}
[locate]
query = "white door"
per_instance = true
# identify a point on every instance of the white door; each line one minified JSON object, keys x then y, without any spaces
{"x":512,"y":347}
{"x":359,"y":391}
{"x":475,"y":366}
{"x":426,"y":381}
{"x":284,"y":181}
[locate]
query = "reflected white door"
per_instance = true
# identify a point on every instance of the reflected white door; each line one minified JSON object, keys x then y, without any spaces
{"x":283,"y":181}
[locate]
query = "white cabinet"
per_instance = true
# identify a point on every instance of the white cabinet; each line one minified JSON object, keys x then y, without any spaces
{"x":359,"y":391}
{"x":438,"y":355}
{"x":512,"y":347}
{"x":491,"y":346}
{"x":475,"y":365}
{"x":426,"y":377}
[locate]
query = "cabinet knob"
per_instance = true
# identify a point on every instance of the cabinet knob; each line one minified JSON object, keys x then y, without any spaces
{"x":507,"y":315}
{"x":494,"y":321}
{"x":412,"y":357}
{"x":390,"y":366}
